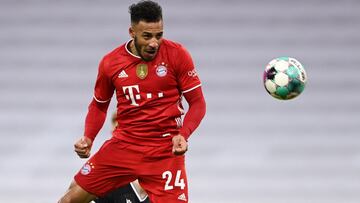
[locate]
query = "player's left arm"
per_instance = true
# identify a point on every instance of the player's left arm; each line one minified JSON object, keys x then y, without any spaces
{"x":196,"y":112}
{"x":190,"y":86}
{"x":193,"y":117}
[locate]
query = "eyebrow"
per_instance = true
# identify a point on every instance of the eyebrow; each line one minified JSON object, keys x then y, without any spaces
{"x":150,"y":33}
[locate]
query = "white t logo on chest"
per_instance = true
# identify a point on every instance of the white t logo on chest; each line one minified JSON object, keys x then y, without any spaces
{"x":131,"y":95}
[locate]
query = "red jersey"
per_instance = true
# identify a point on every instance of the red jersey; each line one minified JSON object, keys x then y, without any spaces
{"x":148,"y":93}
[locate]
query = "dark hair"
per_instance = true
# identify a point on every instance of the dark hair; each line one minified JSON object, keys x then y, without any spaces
{"x":147,"y":11}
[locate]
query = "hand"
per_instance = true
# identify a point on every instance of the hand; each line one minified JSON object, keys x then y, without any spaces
{"x":83,"y":147}
{"x":180,"y":145}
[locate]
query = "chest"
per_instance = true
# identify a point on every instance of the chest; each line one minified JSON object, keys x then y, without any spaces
{"x":152,"y":79}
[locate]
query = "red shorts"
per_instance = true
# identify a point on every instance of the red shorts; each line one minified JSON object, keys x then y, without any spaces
{"x":117,"y":163}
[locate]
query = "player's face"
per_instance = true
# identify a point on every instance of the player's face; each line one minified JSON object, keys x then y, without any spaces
{"x":147,"y":38}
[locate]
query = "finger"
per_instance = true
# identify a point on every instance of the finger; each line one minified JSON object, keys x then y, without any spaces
{"x":78,"y":149}
{"x":179,"y":150}
{"x":83,"y":142}
{"x":81,"y":151}
{"x":83,"y":154}
{"x":179,"y":144}
{"x":79,"y":146}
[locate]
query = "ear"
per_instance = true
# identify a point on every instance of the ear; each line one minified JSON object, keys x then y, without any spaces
{"x":131,"y":32}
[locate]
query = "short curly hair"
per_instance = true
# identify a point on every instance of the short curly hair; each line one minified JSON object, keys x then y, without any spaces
{"x":147,"y":11}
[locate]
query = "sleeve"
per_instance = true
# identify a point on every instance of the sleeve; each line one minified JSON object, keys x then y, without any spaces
{"x":196,"y":112}
{"x":95,"y":118}
{"x":188,"y":78}
{"x":98,"y":107}
{"x":104,"y":88}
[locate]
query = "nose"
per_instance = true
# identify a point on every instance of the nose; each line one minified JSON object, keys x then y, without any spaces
{"x":154,"y":43}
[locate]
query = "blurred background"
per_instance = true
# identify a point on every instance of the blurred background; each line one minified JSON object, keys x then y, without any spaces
{"x":250,"y":148}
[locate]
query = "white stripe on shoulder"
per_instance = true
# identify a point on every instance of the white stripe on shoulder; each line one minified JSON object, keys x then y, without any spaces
{"x":100,"y":100}
{"x":188,"y":90}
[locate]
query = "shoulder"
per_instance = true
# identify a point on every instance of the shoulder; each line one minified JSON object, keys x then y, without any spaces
{"x":118,"y":51}
{"x":176,"y":51}
{"x":173,"y":46}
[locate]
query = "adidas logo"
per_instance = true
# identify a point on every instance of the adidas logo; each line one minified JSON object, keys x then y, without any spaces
{"x":128,"y":201}
{"x":123,"y":74}
{"x":182,"y":197}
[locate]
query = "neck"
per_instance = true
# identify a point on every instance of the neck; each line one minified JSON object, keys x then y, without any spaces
{"x":132,"y":48}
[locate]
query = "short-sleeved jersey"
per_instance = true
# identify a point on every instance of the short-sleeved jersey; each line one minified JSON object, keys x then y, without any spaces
{"x":148,"y":93}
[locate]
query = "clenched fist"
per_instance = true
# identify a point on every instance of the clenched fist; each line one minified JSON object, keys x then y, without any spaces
{"x":83,"y":147}
{"x":180,"y":145}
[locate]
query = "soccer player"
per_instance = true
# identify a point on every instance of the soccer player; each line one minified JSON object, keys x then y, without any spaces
{"x":149,"y":75}
{"x":131,"y":192}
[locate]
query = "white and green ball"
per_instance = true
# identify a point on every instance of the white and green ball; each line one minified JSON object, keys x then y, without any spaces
{"x":284,"y":78}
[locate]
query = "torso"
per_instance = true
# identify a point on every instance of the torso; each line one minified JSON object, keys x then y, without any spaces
{"x":148,"y":94}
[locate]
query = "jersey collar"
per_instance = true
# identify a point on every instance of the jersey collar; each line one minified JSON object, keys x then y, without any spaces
{"x":128,"y":51}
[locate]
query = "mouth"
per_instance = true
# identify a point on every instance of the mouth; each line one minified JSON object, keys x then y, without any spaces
{"x":150,"y":53}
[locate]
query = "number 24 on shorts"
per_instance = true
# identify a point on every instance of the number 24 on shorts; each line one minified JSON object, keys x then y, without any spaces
{"x":179,"y":182}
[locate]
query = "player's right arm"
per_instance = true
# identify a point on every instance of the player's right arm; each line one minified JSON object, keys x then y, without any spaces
{"x":97,"y":111}
{"x":93,"y":123}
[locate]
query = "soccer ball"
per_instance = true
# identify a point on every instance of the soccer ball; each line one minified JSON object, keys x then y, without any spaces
{"x":284,"y":78}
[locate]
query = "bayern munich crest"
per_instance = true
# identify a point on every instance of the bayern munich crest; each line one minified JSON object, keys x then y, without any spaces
{"x":86,"y":169}
{"x":161,"y":70}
